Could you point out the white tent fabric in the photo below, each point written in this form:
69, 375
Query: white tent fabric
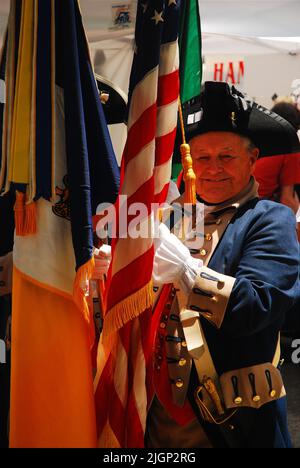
233, 44
252, 18
111, 56
248, 18
263, 34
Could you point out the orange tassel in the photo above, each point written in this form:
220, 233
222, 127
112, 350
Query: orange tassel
188, 174
187, 164
30, 219
25, 215
19, 209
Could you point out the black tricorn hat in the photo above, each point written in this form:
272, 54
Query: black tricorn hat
221, 107
115, 105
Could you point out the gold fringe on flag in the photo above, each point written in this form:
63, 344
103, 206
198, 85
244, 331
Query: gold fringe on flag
187, 164
80, 292
127, 310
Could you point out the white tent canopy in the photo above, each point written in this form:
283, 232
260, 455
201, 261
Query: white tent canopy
262, 34
251, 18
247, 18
265, 34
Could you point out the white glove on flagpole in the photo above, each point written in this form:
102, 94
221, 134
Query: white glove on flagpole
102, 259
173, 262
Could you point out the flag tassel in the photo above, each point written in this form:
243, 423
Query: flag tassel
188, 174
19, 209
187, 164
30, 219
25, 215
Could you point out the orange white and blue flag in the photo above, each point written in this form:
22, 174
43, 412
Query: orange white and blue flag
56, 155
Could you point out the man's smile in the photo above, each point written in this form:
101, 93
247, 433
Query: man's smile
216, 180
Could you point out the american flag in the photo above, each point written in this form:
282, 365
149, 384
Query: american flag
120, 384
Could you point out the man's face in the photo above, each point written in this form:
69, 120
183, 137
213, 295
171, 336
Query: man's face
222, 163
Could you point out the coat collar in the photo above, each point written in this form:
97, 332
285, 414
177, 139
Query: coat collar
247, 194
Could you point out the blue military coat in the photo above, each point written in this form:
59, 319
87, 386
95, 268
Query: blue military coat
259, 249
249, 281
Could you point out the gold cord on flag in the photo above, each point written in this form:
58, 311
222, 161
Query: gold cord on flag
187, 164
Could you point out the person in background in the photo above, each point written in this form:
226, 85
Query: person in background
278, 174
290, 112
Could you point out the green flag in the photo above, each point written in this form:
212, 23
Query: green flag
190, 65
190, 50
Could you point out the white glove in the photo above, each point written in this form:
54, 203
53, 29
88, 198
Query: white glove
173, 262
6, 264
102, 259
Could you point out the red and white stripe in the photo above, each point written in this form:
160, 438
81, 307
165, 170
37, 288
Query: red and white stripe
120, 384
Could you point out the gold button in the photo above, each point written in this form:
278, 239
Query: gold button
208, 237
179, 383
256, 398
272, 393
183, 343
203, 252
162, 325
238, 400
231, 427
182, 362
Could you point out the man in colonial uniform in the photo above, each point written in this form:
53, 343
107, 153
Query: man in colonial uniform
216, 366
